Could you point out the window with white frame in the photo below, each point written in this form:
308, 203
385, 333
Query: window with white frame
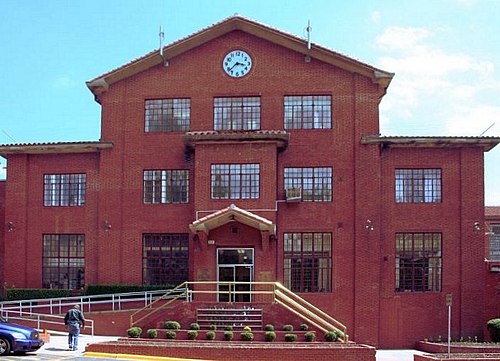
166, 186
495, 242
237, 113
235, 181
61, 190
308, 261
418, 262
418, 185
167, 115
315, 183
63, 261
308, 112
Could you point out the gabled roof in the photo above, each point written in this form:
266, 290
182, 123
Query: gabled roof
237, 22
232, 214
57, 147
487, 143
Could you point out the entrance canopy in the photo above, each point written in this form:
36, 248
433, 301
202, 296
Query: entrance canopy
231, 214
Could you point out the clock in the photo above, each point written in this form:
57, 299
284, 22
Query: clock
237, 63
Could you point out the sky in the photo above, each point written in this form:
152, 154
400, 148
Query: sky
445, 55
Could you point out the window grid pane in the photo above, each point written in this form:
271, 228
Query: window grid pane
418, 262
64, 190
166, 186
63, 261
316, 183
167, 115
308, 261
418, 185
308, 112
237, 113
165, 258
495, 242
235, 181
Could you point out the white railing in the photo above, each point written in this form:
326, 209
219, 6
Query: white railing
106, 302
42, 321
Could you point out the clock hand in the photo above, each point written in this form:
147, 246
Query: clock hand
235, 64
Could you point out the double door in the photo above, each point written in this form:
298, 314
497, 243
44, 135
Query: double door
235, 267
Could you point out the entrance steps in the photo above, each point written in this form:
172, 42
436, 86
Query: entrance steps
236, 317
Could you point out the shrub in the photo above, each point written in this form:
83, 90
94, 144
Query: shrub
246, 336
172, 325
194, 326
228, 335
120, 288
192, 335
228, 328
152, 333
290, 337
288, 328
268, 327
247, 329
13, 294
270, 336
332, 336
210, 335
213, 327
493, 326
171, 335
134, 332
310, 336
304, 327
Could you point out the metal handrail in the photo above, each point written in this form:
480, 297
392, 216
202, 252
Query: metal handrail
59, 305
41, 321
280, 294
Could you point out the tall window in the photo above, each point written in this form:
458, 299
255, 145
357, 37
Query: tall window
167, 115
418, 185
64, 190
165, 258
63, 261
308, 112
315, 183
308, 261
166, 186
418, 262
235, 181
238, 113
495, 242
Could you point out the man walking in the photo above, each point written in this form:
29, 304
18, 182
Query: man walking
74, 319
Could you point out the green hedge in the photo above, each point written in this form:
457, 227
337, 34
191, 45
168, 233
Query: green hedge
107, 289
14, 294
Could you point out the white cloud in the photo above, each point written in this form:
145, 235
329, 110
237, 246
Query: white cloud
473, 120
65, 81
376, 17
452, 92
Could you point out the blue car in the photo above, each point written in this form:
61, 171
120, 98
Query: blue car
17, 338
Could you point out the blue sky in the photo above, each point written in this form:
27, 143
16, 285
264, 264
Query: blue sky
445, 53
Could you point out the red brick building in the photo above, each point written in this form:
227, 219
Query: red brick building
244, 153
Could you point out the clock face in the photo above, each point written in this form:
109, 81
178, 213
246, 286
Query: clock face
237, 63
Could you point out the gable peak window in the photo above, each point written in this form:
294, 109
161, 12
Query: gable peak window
237, 113
308, 112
